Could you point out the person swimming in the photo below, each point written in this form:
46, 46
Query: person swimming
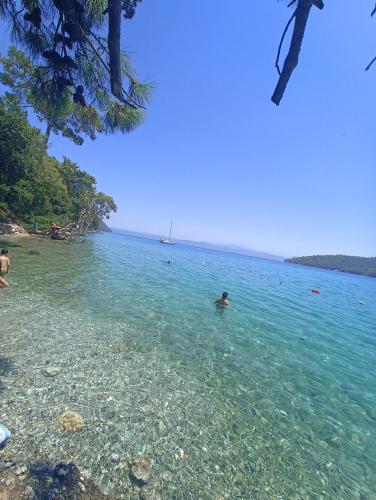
222, 301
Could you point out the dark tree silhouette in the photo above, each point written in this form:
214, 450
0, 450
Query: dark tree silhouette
67, 36
72, 60
300, 18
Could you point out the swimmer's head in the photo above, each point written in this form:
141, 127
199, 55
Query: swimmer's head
4, 251
224, 295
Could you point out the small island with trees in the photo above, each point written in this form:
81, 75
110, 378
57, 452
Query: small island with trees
345, 263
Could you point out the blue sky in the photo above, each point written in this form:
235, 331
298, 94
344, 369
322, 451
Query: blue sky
224, 162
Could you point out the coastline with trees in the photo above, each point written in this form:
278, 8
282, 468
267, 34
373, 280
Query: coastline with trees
35, 188
345, 263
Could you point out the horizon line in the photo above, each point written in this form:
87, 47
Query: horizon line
226, 247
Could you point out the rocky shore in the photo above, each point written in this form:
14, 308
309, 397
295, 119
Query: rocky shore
10, 229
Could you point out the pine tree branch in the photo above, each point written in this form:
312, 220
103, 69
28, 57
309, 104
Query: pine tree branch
131, 102
371, 63
281, 42
374, 59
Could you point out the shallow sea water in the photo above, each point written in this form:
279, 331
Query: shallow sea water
273, 397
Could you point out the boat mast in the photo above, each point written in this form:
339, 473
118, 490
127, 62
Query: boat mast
169, 238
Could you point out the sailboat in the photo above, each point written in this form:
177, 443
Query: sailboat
168, 242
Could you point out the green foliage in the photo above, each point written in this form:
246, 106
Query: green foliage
35, 187
122, 118
68, 65
4, 210
30, 84
44, 221
103, 206
344, 263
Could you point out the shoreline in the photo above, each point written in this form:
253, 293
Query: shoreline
17, 235
320, 268
12, 230
5, 236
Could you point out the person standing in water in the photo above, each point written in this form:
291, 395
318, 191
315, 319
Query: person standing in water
4, 267
222, 301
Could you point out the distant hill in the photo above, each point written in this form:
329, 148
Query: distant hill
203, 244
344, 263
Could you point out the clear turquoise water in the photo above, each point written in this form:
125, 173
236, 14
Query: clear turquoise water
273, 397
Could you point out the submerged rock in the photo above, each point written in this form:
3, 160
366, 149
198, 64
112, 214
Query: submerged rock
148, 493
21, 471
60, 482
51, 371
71, 421
6, 465
29, 493
140, 470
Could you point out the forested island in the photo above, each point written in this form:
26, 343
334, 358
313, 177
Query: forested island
344, 263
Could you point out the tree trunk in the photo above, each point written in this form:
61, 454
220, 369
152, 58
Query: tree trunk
292, 58
48, 132
114, 27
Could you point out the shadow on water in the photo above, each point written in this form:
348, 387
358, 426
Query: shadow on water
221, 310
10, 244
6, 366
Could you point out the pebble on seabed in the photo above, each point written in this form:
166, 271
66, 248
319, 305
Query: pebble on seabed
21, 471
82, 487
114, 458
71, 421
